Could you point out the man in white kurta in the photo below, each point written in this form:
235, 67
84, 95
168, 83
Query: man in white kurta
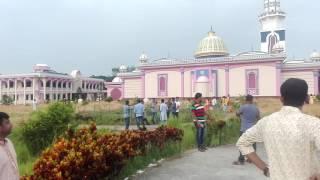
163, 112
8, 158
291, 138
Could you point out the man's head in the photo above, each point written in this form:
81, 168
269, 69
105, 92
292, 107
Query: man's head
173, 99
5, 125
198, 96
127, 102
162, 100
138, 101
249, 98
294, 92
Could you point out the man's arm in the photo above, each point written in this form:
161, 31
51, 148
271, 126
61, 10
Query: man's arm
239, 112
245, 145
258, 115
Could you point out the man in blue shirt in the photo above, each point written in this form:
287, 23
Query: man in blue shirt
249, 115
139, 112
126, 114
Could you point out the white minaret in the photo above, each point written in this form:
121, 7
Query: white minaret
273, 31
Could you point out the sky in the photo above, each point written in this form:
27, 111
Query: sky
96, 35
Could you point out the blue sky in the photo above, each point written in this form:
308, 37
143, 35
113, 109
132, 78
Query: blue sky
96, 35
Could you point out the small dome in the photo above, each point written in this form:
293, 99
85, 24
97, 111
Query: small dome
315, 56
203, 79
123, 68
75, 73
211, 46
117, 80
143, 58
278, 48
41, 68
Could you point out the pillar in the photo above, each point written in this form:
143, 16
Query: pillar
182, 82
44, 90
278, 80
51, 90
24, 91
8, 86
193, 83
227, 80
316, 82
210, 82
143, 85
15, 91
33, 88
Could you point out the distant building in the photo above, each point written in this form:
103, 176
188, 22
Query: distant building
44, 84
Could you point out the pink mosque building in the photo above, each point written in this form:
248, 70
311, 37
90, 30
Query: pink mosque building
45, 84
215, 73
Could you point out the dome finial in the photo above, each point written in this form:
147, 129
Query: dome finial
211, 32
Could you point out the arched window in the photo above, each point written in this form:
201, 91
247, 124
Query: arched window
272, 41
163, 85
252, 81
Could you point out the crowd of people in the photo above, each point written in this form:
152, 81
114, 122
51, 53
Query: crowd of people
160, 112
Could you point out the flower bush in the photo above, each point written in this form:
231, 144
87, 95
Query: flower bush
86, 154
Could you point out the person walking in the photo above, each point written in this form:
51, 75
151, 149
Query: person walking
291, 138
8, 158
169, 105
198, 112
214, 102
126, 114
139, 114
249, 115
178, 105
154, 111
174, 108
163, 112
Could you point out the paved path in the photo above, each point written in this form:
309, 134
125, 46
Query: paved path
215, 164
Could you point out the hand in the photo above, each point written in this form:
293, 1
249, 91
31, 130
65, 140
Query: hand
266, 172
315, 177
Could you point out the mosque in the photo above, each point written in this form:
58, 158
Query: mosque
215, 73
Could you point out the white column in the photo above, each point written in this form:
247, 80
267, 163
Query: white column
51, 90
71, 90
15, 91
44, 90
8, 87
24, 91
33, 88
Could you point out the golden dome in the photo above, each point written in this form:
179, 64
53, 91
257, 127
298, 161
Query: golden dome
211, 46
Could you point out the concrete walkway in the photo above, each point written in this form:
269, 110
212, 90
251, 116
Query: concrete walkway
215, 164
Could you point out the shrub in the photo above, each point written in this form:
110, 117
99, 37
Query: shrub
86, 154
109, 99
6, 100
44, 126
